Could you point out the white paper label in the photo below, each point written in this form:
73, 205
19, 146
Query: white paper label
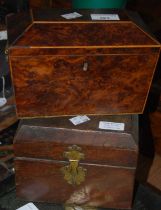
29, 206
111, 126
72, 15
79, 119
3, 35
3, 101
105, 17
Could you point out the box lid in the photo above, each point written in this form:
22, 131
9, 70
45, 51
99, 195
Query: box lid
50, 138
48, 29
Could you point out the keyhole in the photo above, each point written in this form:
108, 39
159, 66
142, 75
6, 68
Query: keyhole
85, 66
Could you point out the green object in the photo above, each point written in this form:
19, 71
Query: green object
98, 4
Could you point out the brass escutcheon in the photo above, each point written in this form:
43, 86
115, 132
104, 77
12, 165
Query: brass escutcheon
73, 173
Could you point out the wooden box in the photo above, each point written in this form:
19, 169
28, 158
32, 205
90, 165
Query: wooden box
58, 162
79, 66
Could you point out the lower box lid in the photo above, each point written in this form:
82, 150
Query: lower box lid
62, 143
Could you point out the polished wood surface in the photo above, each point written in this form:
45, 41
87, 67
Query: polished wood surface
110, 161
86, 34
47, 66
57, 85
105, 186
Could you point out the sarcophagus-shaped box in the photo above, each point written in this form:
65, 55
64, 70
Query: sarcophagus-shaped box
80, 66
81, 165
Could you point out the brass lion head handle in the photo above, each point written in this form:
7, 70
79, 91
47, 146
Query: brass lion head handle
73, 173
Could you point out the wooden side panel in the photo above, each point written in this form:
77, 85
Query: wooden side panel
105, 186
58, 85
17, 24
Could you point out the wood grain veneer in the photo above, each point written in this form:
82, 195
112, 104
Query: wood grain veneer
47, 60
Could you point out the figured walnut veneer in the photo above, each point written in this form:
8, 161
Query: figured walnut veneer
83, 35
57, 85
47, 61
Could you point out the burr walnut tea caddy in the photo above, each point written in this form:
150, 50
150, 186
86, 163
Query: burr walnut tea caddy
80, 66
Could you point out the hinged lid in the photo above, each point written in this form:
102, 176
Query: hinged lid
50, 138
48, 29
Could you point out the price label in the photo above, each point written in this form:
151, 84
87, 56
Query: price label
3, 35
111, 126
29, 206
79, 119
105, 17
72, 15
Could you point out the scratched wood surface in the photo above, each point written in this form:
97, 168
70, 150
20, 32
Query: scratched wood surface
104, 186
110, 161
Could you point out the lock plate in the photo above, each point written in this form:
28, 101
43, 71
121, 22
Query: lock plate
73, 173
